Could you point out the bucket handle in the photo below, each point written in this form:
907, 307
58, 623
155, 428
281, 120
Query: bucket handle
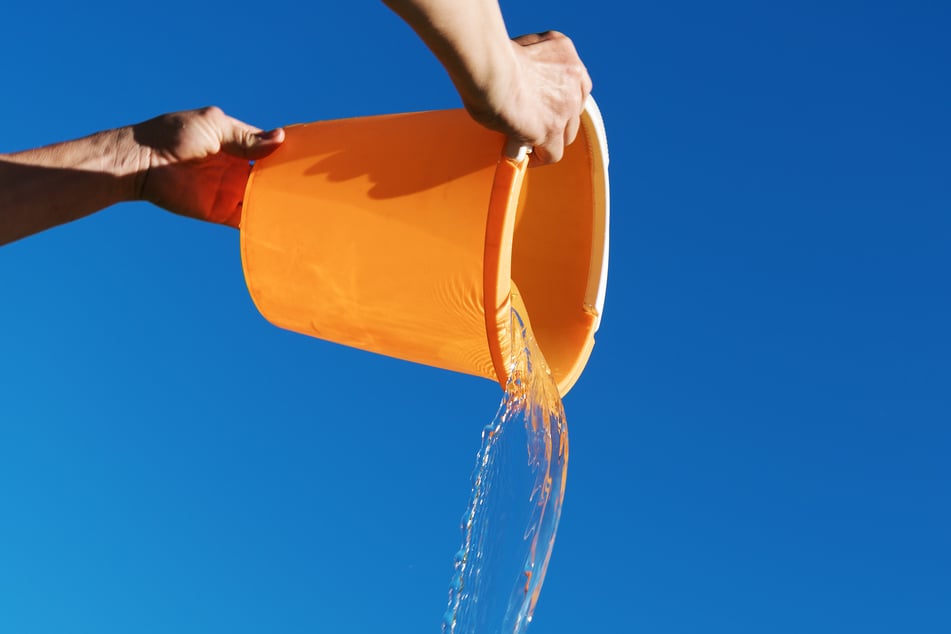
516, 151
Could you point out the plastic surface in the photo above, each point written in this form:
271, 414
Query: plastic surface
400, 234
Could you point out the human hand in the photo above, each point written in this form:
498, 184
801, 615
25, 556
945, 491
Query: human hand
540, 103
196, 163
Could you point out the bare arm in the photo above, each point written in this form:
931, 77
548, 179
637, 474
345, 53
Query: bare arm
531, 88
193, 163
50, 186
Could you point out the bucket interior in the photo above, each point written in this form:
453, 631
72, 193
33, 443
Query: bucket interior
559, 252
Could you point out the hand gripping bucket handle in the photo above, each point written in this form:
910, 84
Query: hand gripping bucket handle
410, 235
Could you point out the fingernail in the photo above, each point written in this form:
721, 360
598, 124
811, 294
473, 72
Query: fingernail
267, 135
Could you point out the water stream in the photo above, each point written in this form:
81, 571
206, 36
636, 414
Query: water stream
518, 486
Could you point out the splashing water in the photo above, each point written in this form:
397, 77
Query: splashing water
509, 527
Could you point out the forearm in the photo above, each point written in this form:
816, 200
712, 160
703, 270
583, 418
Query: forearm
53, 185
470, 39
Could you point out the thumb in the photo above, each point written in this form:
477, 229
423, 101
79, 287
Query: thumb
249, 143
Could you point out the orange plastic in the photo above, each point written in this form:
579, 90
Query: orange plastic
401, 234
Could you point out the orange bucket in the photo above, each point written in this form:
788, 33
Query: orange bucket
408, 234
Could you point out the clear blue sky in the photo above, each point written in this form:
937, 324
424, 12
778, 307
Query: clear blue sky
759, 444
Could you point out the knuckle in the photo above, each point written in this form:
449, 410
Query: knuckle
211, 112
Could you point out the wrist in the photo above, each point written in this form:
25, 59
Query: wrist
129, 164
487, 82
487, 70
471, 41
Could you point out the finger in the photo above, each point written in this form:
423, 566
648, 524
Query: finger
234, 218
586, 86
225, 208
537, 158
251, 145
267, 142
248, 142
549, 152
529, 38
571, 130
534, 38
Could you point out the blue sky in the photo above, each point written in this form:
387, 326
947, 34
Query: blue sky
759, 443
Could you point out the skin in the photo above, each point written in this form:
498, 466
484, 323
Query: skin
196, 163
193, 163
531, 88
